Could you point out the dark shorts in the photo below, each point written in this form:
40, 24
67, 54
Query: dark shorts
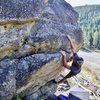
75, 69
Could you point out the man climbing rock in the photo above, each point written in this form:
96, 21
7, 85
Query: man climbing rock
75, 67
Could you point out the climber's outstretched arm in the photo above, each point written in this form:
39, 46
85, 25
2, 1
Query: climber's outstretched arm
71, 44
64, 60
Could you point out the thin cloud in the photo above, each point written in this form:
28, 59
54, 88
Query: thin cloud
82, 2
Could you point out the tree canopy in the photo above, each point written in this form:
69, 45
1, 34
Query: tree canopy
89, 17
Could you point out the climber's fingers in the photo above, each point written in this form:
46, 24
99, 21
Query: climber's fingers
63, 53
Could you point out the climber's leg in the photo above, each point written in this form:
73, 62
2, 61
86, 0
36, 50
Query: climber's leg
69, 75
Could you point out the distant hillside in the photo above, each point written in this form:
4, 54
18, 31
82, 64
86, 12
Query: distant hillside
90, 22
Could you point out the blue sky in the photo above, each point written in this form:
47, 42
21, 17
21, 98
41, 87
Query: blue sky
82, 2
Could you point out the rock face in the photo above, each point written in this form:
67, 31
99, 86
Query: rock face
31, 34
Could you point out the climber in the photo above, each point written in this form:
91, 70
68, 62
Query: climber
75, 67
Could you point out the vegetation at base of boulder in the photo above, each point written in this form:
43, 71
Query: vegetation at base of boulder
89, 17
17, 98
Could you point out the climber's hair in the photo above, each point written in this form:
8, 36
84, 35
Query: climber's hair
80, 61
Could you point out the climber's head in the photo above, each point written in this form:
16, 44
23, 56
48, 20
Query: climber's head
80, 61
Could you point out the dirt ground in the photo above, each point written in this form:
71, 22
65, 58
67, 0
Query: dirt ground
92, 61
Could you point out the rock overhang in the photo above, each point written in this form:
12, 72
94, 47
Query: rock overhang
31, 39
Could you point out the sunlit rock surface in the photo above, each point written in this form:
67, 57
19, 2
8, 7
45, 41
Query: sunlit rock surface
32, 32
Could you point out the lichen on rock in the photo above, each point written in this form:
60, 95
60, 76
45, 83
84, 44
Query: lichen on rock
32, 32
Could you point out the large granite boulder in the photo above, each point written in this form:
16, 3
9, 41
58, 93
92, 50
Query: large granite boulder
32, 32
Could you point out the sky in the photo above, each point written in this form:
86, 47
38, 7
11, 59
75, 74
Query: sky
82, 2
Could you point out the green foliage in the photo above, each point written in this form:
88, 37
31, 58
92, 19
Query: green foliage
89, 17
17, 98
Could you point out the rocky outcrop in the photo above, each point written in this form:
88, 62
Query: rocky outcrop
31, 34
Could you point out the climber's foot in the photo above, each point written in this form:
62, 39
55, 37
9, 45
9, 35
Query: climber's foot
54, 81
